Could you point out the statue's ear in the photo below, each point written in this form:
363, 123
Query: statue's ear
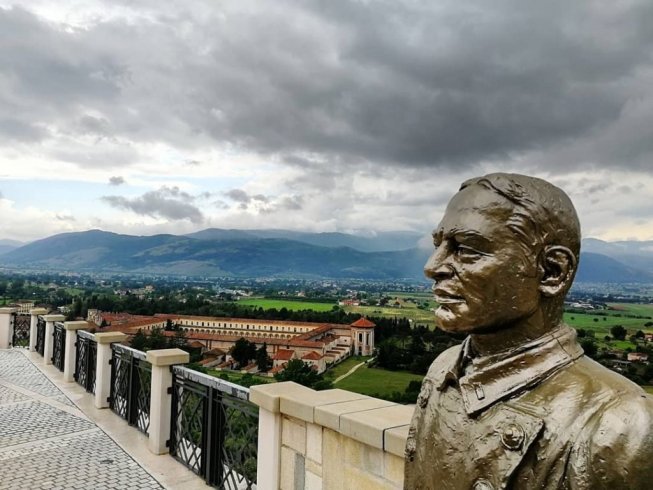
559, 264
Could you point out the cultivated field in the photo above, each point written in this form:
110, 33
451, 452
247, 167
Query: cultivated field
289, 304
601, 324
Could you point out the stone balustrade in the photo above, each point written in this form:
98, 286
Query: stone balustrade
328, 440
313, 440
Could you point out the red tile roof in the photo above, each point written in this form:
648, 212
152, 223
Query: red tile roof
312, 356
284, 355
363, 322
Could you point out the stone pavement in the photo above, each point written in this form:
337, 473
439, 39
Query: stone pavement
47, 442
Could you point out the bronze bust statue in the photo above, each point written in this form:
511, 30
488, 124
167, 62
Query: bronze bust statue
518, 405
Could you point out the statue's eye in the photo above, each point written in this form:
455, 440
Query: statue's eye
467, 252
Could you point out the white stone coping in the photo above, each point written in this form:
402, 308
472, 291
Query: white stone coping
54, 318
213, 382
76, 325
38, 311
166, 357
86, 335
8, 310
110, 337
138, 354
377, 423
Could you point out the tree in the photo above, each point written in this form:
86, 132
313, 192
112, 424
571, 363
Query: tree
157, 340
589, 347
618, 332
139, 341
179, 340
243, 350
299, 372
263, 361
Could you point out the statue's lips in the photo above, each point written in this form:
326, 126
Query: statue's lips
446, 298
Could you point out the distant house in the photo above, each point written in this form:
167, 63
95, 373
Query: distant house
637, 357
282, 356
316, 361
349, 302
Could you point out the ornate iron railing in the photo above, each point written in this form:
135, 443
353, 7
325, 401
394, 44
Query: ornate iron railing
20, 336
131, 377
86, 348
58, 346
214, 429
40, 335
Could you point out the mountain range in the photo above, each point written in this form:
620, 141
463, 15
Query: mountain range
283, 253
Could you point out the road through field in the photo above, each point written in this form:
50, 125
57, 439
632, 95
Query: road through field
339, 378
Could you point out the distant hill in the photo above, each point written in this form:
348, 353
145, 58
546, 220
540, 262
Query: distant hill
241, 253
634, 254
169, 254
9, 245
381, 242
603, 269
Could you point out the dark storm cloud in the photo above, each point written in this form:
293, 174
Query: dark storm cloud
397, 83
117, 180
170, 203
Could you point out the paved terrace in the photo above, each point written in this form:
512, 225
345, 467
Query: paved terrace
52, 437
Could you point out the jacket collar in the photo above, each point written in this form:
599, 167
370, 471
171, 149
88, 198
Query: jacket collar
492, 378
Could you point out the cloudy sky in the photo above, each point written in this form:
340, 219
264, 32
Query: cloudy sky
145, 116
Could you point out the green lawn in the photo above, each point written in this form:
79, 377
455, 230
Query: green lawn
344, 366
374, 381
648, 389
601, 324
288, 304
235, 376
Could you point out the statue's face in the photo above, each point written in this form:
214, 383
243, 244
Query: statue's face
484, 278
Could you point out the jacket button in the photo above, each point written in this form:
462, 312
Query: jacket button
513, 436
482, 485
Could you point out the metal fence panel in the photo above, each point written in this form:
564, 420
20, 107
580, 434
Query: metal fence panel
214, 429
58, 346
40, 335
131, 383
21, 333
86, 361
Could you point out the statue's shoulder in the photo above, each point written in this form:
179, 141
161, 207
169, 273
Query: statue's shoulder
619, 437
443, 363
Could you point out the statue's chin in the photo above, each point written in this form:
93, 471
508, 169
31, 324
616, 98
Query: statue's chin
448, 319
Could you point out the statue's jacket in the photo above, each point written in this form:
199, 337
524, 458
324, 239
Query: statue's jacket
543, 416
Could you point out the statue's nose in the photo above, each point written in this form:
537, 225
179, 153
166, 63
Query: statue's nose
438, 266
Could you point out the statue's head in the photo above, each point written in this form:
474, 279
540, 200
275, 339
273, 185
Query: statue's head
506, 249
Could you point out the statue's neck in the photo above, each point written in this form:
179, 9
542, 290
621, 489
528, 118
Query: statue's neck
512, 336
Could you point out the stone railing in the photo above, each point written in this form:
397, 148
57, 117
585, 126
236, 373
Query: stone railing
313, 440
328, 440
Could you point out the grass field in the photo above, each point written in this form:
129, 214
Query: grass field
409, 310
648, 389
235, 376
288, 304
635, 309
373, 381
344, 366
601, 324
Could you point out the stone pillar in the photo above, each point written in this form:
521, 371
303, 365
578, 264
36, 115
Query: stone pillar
6, 327
161, 400
267, 397
34, 312
103, 366
49, 341
70, 357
